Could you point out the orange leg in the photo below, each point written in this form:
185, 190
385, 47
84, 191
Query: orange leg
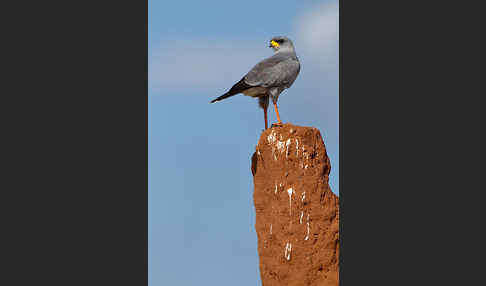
279, 123
265, 114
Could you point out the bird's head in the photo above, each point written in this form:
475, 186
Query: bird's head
281, 44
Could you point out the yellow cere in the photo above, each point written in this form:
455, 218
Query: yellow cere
274, 44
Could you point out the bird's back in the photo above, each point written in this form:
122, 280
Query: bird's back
280, 69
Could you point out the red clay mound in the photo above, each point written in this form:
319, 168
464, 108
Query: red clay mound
297, 215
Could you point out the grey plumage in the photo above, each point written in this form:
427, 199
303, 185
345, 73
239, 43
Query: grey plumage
279, 70
269, 77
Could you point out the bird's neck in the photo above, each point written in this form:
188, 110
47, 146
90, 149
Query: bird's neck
285, 50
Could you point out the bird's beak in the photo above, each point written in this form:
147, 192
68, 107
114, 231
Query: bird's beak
274, 44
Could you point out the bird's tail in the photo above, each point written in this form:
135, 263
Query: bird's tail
226, 95
237, 88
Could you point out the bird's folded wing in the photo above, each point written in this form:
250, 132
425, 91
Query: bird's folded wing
278, 70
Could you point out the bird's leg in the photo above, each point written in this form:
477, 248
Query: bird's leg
279, 123
263, 102
265, 114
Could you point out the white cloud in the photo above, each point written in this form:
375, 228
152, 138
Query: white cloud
317, 40
317, 32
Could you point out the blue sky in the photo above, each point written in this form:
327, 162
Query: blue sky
201, 213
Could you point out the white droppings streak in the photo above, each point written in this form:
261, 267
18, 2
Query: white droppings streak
290, 191
297, 147
276, 188
271, 138
271, 229
288, 250
280, 146
308, 228
303, 196
301, 215
287, 144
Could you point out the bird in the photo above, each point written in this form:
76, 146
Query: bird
268, 78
